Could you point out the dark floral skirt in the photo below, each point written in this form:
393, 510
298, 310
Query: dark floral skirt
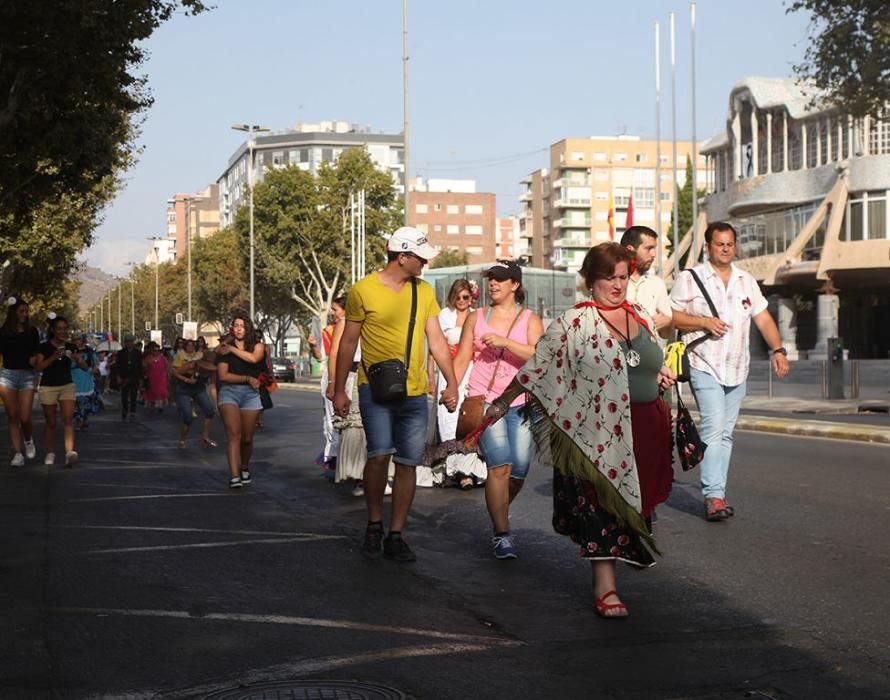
86, 405
576, 510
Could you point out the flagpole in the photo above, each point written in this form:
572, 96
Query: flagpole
674, 193
694, 147
658, 149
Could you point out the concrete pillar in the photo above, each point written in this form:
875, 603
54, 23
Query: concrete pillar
818, 142
755, 154
827, 312
737, 139
803, 145
786, 319
769, 142
827, 139
785, 165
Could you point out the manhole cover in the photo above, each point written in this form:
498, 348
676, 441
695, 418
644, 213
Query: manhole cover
310, 690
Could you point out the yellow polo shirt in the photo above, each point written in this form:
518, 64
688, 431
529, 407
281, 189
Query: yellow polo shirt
384, 315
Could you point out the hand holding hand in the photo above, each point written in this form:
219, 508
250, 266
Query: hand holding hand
449, 398
661, 320
341, 403
223, 349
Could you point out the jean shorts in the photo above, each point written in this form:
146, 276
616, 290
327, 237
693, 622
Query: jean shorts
17, 379
243, 396
394, 429
509, 441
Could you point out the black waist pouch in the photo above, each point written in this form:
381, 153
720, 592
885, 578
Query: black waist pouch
388, 381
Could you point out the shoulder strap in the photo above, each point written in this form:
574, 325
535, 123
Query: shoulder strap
704, 291
411, 322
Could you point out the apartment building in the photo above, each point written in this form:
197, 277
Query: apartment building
566, 207
194, 215
454, 216
508, 245
306, 146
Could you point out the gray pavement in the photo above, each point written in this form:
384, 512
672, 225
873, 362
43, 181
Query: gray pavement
139, 575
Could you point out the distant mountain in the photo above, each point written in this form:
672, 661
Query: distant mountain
93, 284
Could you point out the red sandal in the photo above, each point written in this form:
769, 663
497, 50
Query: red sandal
603, 608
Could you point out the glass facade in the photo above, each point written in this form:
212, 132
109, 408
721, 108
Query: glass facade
772, 232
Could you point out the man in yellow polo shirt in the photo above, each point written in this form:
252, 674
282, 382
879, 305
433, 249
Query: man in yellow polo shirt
378, 311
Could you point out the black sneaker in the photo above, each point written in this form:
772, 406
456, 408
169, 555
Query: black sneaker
373, 542
245, 477
396, 548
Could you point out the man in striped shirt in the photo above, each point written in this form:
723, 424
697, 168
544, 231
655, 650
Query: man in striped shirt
720, 364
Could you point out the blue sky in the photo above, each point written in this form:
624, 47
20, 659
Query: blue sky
490, 80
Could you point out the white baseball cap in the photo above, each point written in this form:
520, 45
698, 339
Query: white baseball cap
409, 240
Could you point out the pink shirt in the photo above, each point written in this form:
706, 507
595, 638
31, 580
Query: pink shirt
485, 358
726, 358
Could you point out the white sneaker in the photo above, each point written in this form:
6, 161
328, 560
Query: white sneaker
71, 458
358, 490
18, 460
388, 490
30, 449
50, 459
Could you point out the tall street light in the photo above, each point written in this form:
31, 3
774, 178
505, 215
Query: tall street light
251, 129
188, 199
132, 267
157, 256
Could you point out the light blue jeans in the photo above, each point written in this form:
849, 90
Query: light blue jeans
719, 407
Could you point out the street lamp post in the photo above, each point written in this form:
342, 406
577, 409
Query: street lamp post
251, 129
132, 267
157, 257
120, 330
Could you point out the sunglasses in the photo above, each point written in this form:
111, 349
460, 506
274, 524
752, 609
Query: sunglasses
423, 261
465, 297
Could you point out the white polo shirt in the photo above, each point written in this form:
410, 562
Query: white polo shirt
649, 292
727, 359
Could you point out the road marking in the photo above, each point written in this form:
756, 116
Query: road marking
144, 496
127, 486
290, 620
197, 529
212, 545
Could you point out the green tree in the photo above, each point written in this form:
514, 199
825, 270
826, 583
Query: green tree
450, 258
218, 286
848, 58
70, 100
684, 207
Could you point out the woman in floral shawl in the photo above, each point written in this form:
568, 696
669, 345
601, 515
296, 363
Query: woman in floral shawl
595, 382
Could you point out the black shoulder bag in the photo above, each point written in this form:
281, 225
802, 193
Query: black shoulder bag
676, 354
389, 379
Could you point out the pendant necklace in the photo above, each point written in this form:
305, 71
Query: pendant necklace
632, 357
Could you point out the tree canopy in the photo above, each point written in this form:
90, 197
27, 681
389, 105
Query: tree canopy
848, 57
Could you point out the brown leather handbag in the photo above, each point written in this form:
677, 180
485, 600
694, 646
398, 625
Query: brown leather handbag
472, 408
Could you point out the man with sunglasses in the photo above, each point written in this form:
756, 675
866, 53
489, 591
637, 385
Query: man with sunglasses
378, 312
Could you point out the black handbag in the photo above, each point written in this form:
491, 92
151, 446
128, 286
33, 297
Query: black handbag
388, 379
676, 354
690, 447
265, 398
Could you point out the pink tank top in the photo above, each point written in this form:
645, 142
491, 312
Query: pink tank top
485, 359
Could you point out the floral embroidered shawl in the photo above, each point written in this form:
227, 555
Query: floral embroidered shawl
577, 379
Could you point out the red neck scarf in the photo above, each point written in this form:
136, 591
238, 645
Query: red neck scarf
627, 306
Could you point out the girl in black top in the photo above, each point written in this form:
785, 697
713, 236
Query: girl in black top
240, 363
54, 359
18, 344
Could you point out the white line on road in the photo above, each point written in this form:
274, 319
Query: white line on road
91, 485
289, 620
211, 545
264, 533
144, 496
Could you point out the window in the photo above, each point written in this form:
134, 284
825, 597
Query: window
644, 197
304, 155
452, 229
437, 207
577, 156
327, 154
641, 158
474, 250
278, 158
473, 230
420, 208
293, 157
473, 209
665, 196
453, 209
437, 228
619, 157
812, 144
171, 217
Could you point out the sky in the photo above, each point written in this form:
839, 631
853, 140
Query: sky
493, 83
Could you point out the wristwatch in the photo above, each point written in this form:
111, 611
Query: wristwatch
780, 350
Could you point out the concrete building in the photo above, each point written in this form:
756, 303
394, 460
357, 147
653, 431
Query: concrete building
566, 206
508, 244
162, 250
454, 216
307, 146
807, 189
195, 215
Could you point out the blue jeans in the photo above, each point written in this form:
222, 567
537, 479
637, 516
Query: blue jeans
509, 441
397, 429
185, 394
719, 407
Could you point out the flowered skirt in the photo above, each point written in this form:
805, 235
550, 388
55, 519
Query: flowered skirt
87, 404
576, 511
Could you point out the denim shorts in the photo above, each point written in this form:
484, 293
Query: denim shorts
509, 441
243, 396
17, 379
394, 429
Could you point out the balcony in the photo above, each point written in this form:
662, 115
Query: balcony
571, 242
526, 197
574, 203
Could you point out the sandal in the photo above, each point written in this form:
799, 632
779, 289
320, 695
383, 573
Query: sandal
466, 483
603, 608
209, 442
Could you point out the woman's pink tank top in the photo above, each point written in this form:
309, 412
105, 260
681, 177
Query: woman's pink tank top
485, 359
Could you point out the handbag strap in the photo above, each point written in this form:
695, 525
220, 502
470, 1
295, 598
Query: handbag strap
704, 291
411, 322
494, 372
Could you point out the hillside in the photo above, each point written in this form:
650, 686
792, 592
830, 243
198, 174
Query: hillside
93, 284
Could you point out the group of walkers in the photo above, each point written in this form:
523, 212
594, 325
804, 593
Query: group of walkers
588, 392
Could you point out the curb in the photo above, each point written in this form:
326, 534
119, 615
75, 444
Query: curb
820, 429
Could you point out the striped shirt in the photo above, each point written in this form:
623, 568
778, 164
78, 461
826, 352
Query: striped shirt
737, 302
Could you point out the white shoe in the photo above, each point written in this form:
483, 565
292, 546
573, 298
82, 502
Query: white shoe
30, 449
71, 458
388, 490
358, 490
18, 460
50, 459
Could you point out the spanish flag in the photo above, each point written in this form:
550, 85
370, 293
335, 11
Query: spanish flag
611, 218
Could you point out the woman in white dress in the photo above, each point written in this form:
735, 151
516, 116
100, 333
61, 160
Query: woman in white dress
466, 470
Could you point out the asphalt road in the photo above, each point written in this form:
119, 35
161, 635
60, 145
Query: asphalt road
138, 574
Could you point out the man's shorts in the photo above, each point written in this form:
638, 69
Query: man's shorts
243, 396
51, 395
17, 379
394, 429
